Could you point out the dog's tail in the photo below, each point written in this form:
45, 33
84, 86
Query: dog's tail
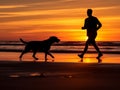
23, 41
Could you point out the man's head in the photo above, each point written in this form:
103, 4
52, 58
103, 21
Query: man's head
89, 12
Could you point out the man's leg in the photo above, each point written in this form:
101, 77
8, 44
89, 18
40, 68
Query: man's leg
97, 49
85, 49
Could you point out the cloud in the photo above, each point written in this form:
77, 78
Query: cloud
8, 6
37, 28
56, 14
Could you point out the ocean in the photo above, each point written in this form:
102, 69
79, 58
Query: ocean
64, 51
65, 46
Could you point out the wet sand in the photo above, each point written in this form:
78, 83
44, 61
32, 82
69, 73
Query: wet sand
61, 57
29, 75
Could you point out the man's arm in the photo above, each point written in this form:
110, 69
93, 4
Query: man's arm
99, 25
84, 27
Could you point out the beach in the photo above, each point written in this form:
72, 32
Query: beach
66, 72
29, 75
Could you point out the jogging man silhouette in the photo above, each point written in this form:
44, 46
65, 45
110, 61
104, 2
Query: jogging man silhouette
92, 24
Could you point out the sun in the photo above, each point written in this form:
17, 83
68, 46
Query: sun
86, 37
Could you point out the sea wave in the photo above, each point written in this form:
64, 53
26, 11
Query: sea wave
65, 46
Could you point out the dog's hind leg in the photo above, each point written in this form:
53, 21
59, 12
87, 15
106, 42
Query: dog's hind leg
22, 55
23, 52
34, 53
46, 56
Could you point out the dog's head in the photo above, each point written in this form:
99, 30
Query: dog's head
54, 39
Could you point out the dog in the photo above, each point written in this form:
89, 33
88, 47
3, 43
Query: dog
42, 46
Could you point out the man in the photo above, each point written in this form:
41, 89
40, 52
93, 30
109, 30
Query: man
92, 24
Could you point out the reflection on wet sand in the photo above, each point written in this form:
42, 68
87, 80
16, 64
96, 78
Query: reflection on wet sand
62, 57
88, 60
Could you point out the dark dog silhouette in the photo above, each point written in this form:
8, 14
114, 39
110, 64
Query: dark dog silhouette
35, 46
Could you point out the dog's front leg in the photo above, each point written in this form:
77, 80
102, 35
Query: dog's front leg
50, 54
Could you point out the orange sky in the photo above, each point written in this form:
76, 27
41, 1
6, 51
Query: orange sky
39, 19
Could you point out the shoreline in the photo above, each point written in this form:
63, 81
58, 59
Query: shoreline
65, 51
61, 57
